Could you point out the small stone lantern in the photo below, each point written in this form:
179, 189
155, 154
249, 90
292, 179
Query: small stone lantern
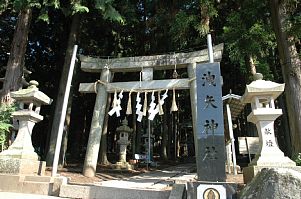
261, 94
20, 157
123, 141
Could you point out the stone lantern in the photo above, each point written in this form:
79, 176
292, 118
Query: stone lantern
20, 157
123, 141
261, 95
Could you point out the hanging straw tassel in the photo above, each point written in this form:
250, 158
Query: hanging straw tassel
114, 104
145, 104
161, 112
129, 105
174, 106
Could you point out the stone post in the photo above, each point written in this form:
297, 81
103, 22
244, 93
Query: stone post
20, 157
261, 94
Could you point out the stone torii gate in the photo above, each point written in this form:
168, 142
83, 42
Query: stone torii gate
146, 65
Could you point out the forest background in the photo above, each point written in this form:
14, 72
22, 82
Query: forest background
38, 36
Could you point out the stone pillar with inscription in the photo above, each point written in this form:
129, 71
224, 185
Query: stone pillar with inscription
210, 124
261, 94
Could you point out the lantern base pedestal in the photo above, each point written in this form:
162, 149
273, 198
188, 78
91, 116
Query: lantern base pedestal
19, 153
250, 172
274, 158
22, 166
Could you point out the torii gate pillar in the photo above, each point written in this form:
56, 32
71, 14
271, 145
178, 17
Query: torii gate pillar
99, 112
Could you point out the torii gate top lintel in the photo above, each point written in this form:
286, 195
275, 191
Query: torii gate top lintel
135, 64
158, 62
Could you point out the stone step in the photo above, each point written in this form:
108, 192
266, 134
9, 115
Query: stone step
44, 185
13, 184
103, 192
42, 188
38, 179
10, 195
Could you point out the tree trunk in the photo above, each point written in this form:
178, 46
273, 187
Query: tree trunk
15, 64
290, 63
73, 38
205, 19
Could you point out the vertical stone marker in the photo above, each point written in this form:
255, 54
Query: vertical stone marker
20, 157
210, 124
261, 94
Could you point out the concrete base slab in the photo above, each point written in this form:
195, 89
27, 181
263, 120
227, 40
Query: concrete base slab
103, 192
9, 195
22, 166
250, 172
44, 185
178, 192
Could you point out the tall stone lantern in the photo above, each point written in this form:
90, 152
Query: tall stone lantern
20, 157
261, 95
123, 141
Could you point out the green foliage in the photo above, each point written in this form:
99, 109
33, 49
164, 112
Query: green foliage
296, 25
108, 11
181, 26
3, 5
293, 21
5, 121
44, 16
211, 10
21, 4
208, 12
53, 3
248, 33
78, 8
17, 5
297, 158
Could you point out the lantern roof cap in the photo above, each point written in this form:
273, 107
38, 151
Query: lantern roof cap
261, 87
124, 127
31, 95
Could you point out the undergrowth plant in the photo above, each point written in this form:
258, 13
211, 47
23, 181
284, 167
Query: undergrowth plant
297, 159
5, 122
